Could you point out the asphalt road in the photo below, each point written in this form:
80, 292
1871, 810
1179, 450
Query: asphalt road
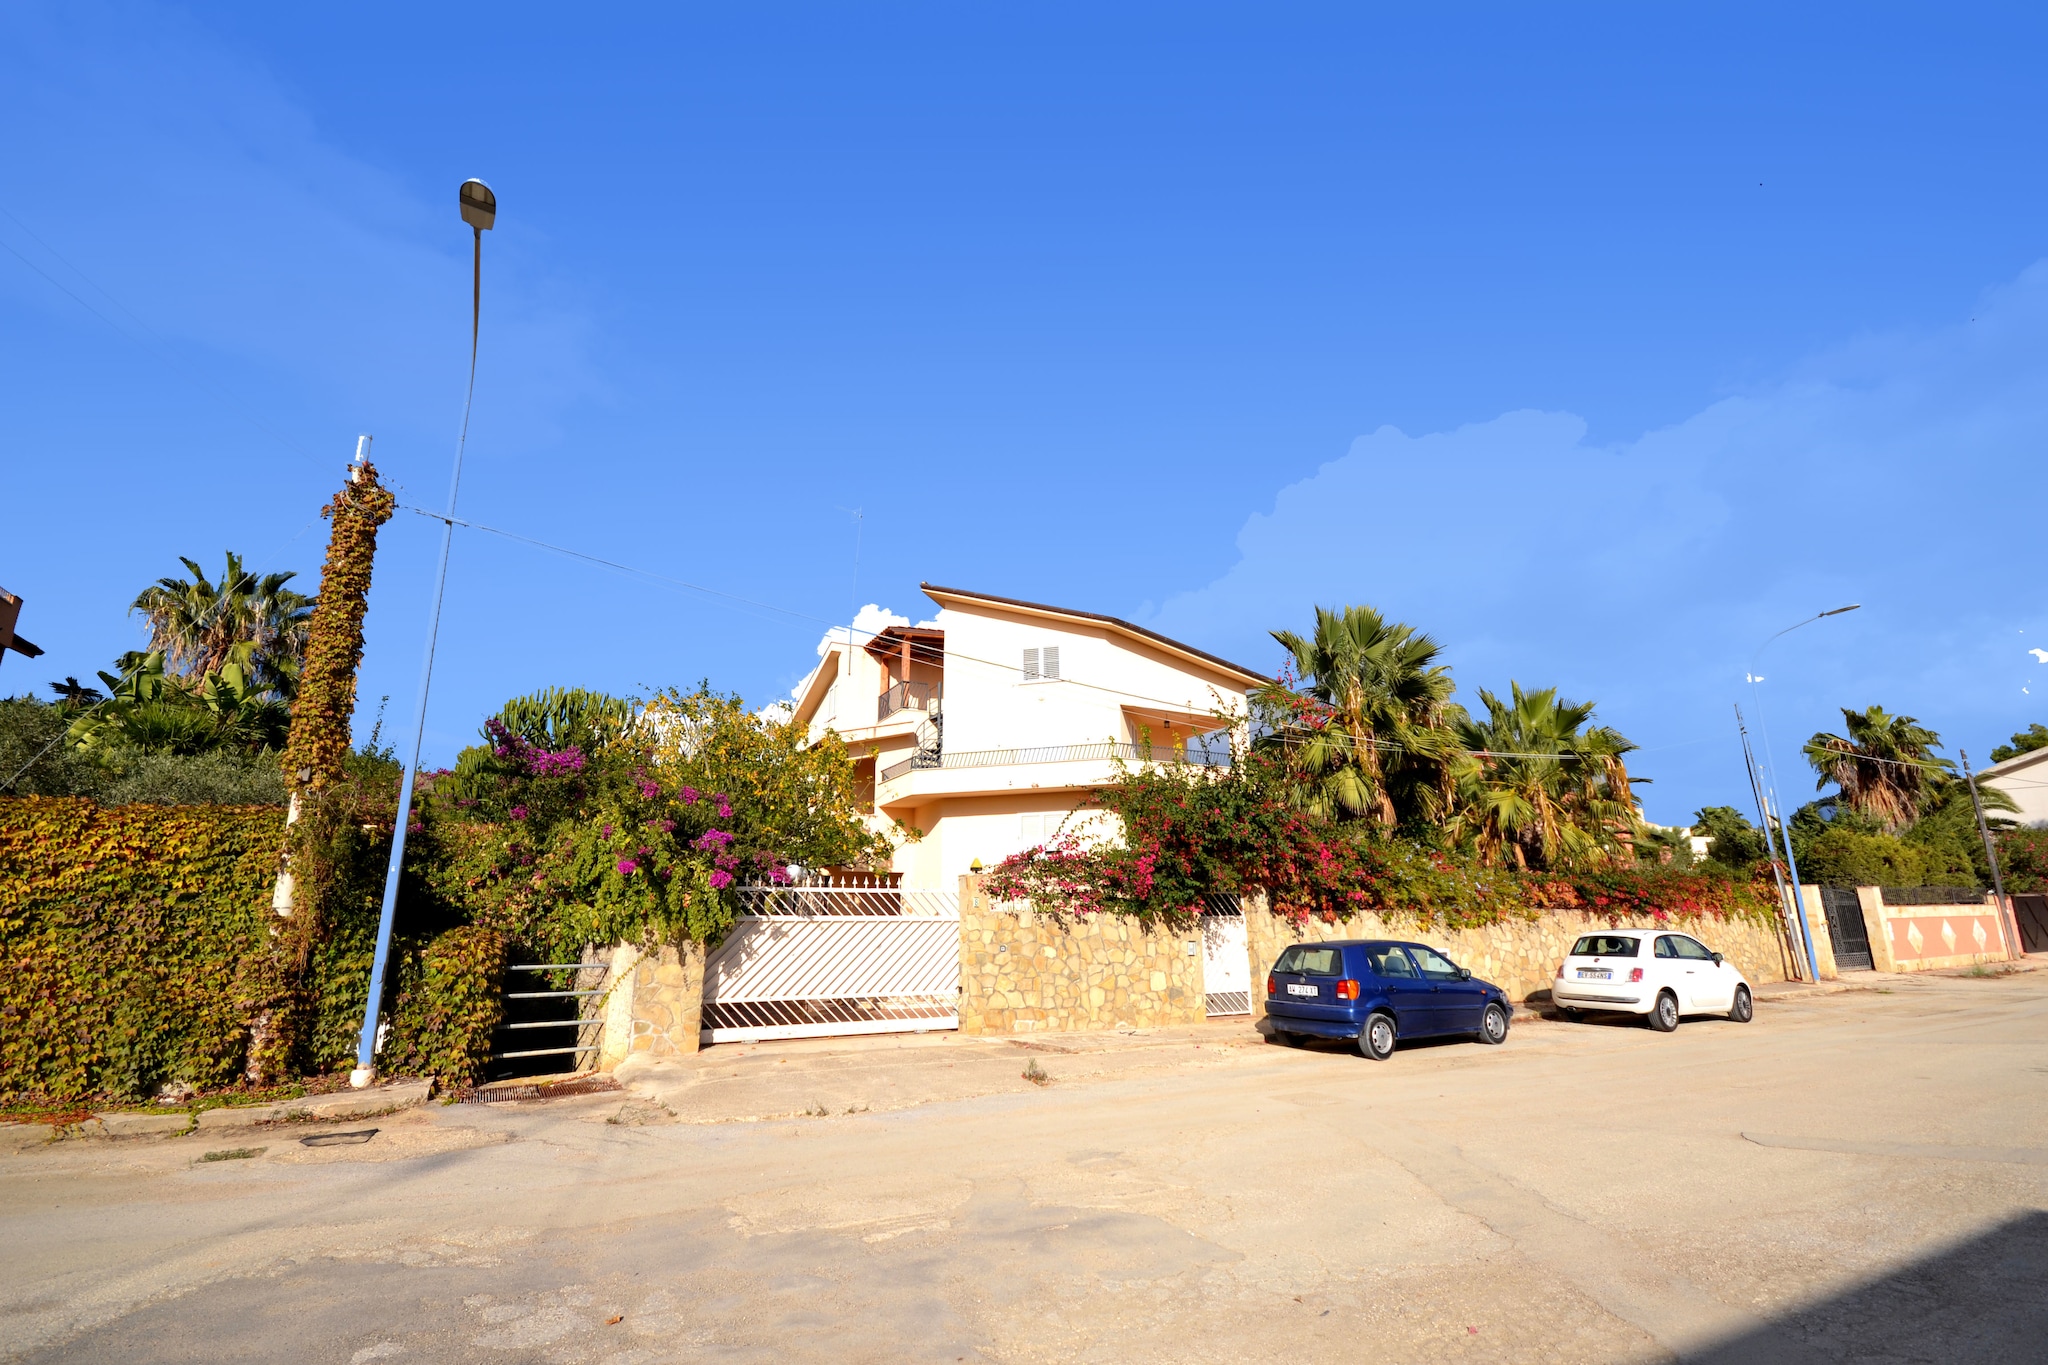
1857, 1176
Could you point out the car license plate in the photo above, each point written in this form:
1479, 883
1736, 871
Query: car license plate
1596, 973
1293, 989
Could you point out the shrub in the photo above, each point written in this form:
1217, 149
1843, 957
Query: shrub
1847, 857
450, 1000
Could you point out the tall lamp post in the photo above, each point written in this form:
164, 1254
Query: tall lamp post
1771, 781
479, 210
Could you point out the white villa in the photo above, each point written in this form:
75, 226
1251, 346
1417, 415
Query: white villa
987, 726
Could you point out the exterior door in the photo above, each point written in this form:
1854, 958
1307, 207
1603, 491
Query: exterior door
1458, 1001
2031, 911
1413, 1001
1846, 933
1675, 971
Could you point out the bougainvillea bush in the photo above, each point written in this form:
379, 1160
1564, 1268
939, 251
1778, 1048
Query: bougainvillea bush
1181, 833
645, 832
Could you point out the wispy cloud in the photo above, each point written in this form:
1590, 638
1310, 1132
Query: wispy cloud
1896, 470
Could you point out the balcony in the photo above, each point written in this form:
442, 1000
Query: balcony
1056, 753
908, 696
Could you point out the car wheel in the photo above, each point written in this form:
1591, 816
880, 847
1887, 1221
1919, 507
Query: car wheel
1493, 1027
1376, 1040
1744, 1008
1663, 1016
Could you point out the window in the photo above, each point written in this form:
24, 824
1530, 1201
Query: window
1605, 945
1038, 827
1390, 961
1042, 664
1667, 946
1435, 966
1690, 948
1303, 960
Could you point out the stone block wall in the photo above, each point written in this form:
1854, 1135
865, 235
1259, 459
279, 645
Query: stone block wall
655, 1004
1519, 956
1022, 971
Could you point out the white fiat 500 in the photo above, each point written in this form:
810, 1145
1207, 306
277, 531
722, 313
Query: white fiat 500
1660, 974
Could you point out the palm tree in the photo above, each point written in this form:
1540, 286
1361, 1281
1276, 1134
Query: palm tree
1377, 741
1886, 766
196, 625
1539, 788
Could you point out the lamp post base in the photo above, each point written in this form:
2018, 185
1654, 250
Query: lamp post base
362, 1077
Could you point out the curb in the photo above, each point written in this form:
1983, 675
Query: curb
360, 1104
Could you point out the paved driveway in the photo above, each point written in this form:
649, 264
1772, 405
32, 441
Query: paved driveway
1856, 1176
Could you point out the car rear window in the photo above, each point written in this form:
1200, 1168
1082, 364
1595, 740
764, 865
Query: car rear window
1605, 945
1306, 961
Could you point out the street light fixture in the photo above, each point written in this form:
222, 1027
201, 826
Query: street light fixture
480, 210
1771, 782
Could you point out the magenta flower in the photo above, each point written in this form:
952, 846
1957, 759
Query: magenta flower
720, 880
667, 826
689, 795
648, 789
713, 839
607, 831
627, 867
519, 812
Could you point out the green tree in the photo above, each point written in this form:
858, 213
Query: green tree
197, 625
1733, 842
1885, 766
1540, 785
1372, 738
152, 710
2034, 737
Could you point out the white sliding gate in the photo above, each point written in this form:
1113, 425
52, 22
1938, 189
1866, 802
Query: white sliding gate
809, 962
1226, 966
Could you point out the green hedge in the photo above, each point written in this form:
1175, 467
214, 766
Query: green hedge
133, 941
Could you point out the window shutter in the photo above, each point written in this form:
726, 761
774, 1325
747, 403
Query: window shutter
1030, 664
1051, 658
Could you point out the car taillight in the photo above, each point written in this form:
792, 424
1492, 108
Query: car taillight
1560, 971
1271, 989
1347, 990
1635, 973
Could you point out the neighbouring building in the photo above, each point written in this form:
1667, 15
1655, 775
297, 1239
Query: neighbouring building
986, 727
2023, 777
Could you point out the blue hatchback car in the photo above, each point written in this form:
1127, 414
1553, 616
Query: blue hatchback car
1376, 991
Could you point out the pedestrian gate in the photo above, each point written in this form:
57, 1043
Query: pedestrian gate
1226, 970
1846, 932
815, 962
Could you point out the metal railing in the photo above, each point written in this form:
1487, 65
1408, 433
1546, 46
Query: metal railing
908, 696
813, 901
1061, 753
578, 1023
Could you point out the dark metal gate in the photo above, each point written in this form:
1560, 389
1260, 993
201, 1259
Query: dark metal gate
2031, 911
1845, 928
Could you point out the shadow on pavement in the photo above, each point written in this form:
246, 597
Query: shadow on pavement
1980, 1300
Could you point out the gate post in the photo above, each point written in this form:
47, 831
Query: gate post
1870, 901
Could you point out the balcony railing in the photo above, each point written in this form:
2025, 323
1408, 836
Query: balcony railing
1058, 753
907, 696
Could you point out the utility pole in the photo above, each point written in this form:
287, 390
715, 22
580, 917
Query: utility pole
1795, 922
479, 210
2008, 934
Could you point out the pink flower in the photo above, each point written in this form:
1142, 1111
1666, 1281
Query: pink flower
648, 789
627, 867
689, 795
713, 838
519, 812
720, 880
607, 831
666, 826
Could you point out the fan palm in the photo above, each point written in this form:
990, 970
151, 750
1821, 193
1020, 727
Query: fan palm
1540, 788
196, 624
1885, 766
1379, 745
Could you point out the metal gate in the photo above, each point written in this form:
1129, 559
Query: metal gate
808, 962
2030, 912
1226, 970
1846, 933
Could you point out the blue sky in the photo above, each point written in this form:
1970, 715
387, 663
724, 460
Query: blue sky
1599, 342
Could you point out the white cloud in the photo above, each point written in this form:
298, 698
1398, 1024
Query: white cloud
1645, 573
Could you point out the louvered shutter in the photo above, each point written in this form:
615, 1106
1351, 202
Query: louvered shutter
1050, 665
1030, 664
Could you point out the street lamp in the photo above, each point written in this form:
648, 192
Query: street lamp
480, 210
1771, 781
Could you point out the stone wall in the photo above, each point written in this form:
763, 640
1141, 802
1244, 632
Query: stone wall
1519, 956
654, 1005
1023, 971
1921, 938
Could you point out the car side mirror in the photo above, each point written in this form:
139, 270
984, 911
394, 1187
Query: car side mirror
1464, 973
1717, 959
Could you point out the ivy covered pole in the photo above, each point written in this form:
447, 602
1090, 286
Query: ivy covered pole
323, 713
479, 210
